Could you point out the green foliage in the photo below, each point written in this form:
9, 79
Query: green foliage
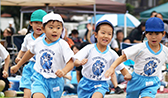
130, 8
162, 1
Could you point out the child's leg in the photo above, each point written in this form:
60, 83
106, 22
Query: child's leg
146, 97
97, 95
38, 95
2, 85
114, 80
27, 93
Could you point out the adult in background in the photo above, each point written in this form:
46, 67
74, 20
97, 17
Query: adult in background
10, 26
74, 36
159, 15
136, 34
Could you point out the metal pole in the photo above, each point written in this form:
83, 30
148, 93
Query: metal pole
21, 20
0, 19
95, 14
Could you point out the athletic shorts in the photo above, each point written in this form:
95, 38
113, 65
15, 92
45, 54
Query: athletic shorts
49, 87
86, 87
143, 86
28, 71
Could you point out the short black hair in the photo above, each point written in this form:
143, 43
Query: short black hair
74, 31
152, 13
51, 21
119, 31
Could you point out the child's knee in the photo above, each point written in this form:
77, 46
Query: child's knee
2, 85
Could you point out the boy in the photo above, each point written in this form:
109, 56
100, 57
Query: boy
95, 60
53, 59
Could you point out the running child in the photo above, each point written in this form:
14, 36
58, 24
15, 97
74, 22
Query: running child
95, 60
36, 23
53, 59
149, 58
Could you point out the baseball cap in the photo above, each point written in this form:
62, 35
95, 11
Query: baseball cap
154, 24
103, 22
52, 16
37, 15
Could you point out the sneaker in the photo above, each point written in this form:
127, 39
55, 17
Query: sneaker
118, 90
2, 95
108, 91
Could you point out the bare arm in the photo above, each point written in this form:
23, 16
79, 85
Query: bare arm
78, 63
19, 56
111, 70
69, 66
24, 59
6, 67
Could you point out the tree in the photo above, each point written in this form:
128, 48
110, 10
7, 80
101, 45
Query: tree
130, 8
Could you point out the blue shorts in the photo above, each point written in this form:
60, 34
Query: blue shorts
50, 88
28, 71
142, 85
86, 88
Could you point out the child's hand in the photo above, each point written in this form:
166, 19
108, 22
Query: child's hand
14, 69
128, 77
5, 74
109, 72
84, 61
60, 73
17, 60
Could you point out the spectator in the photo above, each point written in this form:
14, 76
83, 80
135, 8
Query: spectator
74, 36
119, 37
68, 40
153, 13
10, 26
90, 29
7, 32
159, 15
136, 34
79, 69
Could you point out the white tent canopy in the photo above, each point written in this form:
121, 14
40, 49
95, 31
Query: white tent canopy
44, 2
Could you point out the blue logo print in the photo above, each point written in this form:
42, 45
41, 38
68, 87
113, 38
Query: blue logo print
97, 68
149, 68
45, 61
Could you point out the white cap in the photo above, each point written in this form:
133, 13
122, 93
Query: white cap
23, 31
52, 16
10, 22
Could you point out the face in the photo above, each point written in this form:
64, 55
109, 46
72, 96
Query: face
120, 36
154, 38
153, 14
104, 35
36, 25
5, 33
53, 31
160, 16
75, 50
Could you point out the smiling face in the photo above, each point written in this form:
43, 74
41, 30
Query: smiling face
36, 25
104, 35
154, 38
53, 31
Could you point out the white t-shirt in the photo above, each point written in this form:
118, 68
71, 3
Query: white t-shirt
147, 62
114, 44
50, 57
98, 62
3, 52
28, 42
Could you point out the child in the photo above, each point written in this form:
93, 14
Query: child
95, 60
149, 58
4, 55
36, 23
53, 59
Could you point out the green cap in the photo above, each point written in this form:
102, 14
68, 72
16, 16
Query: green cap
37, 15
